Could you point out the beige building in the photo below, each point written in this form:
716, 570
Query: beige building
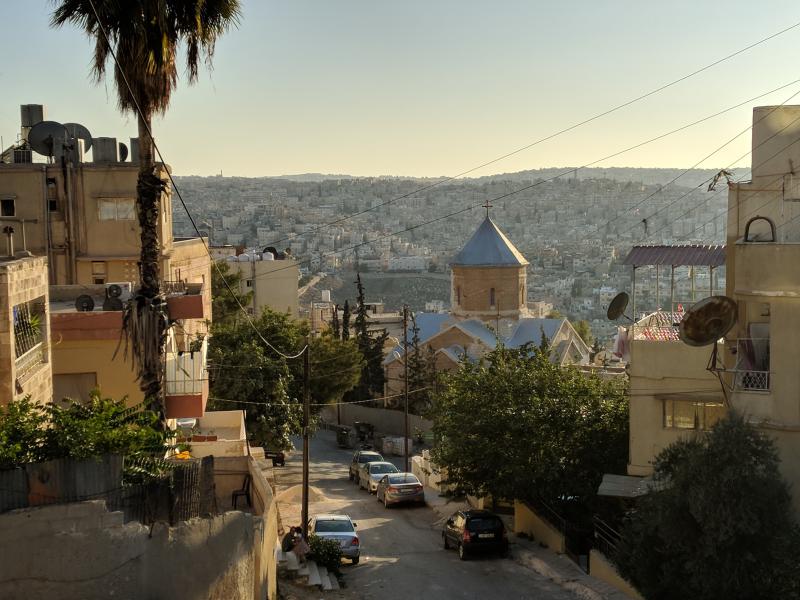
81, 216
25, 358
672, 393
272, 280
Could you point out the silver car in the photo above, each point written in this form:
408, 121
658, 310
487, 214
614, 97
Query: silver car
369, 474
341, 529
400, 487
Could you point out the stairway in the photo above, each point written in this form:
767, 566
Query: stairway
314, 575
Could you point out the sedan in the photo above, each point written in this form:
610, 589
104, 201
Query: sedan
341, 529
359, 458
400, 487
369, 474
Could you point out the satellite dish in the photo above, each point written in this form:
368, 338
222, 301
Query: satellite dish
112, 303
42, 135
123, 152
113, 290
616, 308
84, 303
707, 321
78, 131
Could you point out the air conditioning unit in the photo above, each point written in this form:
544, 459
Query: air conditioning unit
105, 150
117, 294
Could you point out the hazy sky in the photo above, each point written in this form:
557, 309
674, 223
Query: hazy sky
430, 87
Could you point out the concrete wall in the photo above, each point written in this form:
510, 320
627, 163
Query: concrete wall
527, 521
274, 284
601, 568
384, 420
81, 551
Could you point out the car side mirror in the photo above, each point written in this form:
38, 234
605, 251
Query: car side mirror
355, 525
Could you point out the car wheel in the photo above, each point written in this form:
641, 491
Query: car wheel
355, 560
462, 554
446, 543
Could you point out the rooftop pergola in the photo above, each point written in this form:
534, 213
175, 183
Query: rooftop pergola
686, 255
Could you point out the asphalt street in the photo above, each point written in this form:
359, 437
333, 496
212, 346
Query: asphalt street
402, 553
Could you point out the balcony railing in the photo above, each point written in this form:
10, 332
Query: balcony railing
186, 372
28, 362
752, 364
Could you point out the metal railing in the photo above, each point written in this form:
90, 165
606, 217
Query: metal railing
606, 538
752, 364
27, 329
186, 372
28, 362
173, 287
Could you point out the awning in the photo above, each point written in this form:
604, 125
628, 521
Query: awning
624, 486
696, 255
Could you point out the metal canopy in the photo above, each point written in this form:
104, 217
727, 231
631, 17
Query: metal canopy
695, 255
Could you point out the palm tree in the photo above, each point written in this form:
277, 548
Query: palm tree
144, 35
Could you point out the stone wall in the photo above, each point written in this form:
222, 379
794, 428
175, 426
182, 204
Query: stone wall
82, 551
384, 420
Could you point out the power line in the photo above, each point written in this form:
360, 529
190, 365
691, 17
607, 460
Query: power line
547, 137
177, 191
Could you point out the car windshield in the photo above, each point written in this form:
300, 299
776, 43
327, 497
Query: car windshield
385, 468
404, 478
365, 458
333, 526
484, 524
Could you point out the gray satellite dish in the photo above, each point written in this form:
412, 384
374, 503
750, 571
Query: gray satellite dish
76, 130
707, 321
42, 135
616, 308
123, 152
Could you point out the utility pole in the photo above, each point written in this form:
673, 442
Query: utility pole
306, 411
405, 385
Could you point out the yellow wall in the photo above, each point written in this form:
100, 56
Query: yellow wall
527, 521
274, 284
115, 377
601, 568
663, 369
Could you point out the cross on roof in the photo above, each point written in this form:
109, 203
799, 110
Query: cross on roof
487, 206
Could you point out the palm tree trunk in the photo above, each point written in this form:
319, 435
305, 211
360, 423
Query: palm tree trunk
147, 328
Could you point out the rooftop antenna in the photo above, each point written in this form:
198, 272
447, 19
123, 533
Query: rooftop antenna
79, 132
617, 306
42, 136
706, 323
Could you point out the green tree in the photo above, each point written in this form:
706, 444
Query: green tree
370, 344
554, 314
249, 376
144, 36
583, 329
718, 524
225, 302
515, 425
421, 372
336, 328
346, 320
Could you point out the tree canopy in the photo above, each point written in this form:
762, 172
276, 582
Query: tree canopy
719, 523
225, 302
248, 375
515, 425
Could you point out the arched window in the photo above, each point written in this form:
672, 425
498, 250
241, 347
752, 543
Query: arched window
491, 298
764, 230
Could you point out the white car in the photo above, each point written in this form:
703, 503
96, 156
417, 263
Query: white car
341, 529
369, 474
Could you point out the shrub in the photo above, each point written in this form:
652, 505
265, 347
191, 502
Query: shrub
326, 552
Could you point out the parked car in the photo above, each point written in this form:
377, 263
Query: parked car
369, 474
359, 458
278, 457
340, 528
396, 488
472, 531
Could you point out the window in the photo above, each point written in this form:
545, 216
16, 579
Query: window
116, 209
685, 414
458, 295
7, 208
249, 283
98, 272
52, 195
491, 298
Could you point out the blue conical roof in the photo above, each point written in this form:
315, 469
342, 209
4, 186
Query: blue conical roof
489, 247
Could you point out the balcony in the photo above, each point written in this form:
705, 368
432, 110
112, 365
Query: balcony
184, 300
186, 383
751, 373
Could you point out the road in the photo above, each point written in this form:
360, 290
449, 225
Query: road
402, 553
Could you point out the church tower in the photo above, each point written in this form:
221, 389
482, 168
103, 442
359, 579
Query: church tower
489, 277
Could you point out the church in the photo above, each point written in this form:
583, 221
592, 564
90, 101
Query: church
488, 305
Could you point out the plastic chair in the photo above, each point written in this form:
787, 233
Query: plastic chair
245, 491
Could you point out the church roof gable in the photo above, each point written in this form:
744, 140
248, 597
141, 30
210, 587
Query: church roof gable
489, 247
